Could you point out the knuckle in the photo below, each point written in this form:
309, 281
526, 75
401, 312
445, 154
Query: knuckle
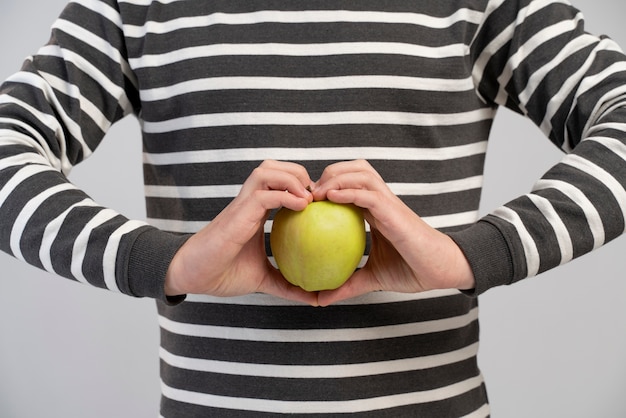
267, 163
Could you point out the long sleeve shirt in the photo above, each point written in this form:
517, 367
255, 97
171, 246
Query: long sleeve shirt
219, 86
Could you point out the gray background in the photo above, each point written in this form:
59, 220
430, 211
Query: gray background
552, 346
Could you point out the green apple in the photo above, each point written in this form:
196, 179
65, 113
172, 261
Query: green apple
319, 247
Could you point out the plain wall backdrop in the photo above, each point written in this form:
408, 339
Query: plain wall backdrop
552, 346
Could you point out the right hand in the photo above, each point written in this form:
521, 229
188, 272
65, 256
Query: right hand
227, 257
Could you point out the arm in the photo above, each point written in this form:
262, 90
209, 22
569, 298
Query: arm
53, 114
540, 62
572, 85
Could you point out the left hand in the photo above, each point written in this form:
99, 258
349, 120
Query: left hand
407, 255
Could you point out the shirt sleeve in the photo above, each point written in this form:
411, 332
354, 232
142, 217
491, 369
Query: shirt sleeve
53, 114
535, 58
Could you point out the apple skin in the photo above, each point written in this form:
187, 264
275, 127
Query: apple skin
319, 247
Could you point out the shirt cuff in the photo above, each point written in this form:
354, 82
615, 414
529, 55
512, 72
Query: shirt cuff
148, 261
488, 254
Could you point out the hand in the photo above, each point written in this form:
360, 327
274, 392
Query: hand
227, 257
407, 255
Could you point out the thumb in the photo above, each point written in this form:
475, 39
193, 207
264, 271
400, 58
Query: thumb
276, 285
360, 283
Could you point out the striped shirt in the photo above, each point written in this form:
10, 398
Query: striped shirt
219, 86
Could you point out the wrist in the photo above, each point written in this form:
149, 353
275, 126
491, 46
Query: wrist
172, 285
467, 281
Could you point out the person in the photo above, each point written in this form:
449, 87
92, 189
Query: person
386, 106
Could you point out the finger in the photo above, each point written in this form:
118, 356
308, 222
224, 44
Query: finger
343, 167
265, 178
320, 187
361, 283
246, 215
273, 199
365, 199
296, 170
358, 180
276, 285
